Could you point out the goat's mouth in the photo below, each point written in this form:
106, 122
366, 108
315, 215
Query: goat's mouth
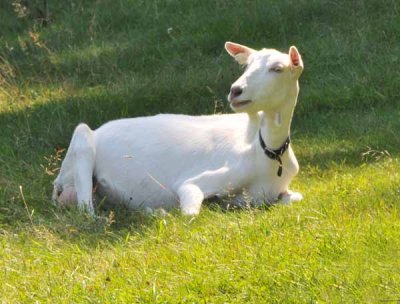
237, 104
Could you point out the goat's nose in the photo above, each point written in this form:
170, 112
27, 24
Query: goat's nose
236, 91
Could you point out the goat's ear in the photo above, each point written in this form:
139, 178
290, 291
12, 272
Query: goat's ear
295, 58
240, 52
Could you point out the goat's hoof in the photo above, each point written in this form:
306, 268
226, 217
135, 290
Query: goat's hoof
290, 197
190, 211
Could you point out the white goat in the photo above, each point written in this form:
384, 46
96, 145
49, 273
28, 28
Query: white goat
166, 160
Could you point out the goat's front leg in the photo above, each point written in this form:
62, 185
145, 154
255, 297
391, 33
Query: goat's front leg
290, 197
190, 197
192, 192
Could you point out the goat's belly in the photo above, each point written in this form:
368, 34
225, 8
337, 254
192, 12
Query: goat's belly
148, 170
137, 179
135, 190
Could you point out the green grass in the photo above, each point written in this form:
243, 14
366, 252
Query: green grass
102, 60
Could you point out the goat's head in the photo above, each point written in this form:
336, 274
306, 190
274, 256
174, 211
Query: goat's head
269, 80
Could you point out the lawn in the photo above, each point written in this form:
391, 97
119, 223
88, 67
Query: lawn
94, 61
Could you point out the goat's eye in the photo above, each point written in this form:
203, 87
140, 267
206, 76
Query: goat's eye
276, 69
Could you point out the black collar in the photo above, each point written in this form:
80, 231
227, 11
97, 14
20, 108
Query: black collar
275, 154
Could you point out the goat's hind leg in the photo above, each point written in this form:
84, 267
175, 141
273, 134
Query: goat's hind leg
76, 173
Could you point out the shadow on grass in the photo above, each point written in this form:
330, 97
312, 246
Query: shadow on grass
350, 138
116, 222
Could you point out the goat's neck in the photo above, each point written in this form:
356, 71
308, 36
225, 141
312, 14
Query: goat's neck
275, 125
252, 126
